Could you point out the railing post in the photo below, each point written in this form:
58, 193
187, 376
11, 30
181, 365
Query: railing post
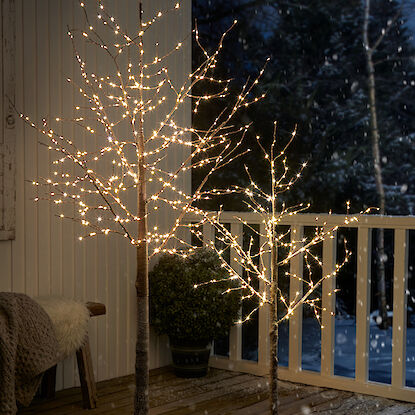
263, 316
400, 285
296, 290
209, 240
235, 337
328, 304
208, 234
364, 248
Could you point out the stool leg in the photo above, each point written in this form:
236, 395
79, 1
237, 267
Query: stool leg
86, 376
47, 389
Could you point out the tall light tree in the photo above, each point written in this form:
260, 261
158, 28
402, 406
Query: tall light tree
137, 170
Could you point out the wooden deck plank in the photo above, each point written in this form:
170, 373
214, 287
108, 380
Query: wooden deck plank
327, 406
219, 393
396, 410
300, 406
287, 396
73, 396
360, 404
177, 384
255, 409
230, 397
194, 396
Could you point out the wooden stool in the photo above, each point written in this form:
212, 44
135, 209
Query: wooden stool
85, 369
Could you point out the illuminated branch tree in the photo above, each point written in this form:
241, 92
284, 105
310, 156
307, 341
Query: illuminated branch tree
259, 279
119, 186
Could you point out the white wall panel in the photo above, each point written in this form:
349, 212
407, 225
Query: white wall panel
46, 257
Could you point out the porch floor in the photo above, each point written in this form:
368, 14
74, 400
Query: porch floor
220, 392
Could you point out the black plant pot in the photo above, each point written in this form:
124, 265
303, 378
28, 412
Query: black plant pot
190, 361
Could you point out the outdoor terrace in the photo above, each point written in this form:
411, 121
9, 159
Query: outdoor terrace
221, 392
358, 360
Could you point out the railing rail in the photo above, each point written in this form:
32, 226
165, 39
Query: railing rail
294, 372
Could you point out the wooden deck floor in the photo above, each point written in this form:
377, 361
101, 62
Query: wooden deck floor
220, 393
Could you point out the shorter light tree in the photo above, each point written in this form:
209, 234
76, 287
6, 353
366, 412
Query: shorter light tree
259, 279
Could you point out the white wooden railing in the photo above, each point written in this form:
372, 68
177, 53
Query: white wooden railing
294, 372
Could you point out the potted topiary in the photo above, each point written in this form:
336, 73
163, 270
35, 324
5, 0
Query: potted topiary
191, 316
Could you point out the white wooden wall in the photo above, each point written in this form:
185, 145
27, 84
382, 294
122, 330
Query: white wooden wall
7, 122
45, 257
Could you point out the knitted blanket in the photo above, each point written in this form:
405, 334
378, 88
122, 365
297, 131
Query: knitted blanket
28, 347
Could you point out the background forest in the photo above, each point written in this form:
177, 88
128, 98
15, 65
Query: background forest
316, 79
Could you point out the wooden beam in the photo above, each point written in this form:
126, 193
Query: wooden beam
208, 234
235, 338
48, 385
296, 290
320, 219
328, 304
86, 376
96, 309
364, 250
8, 123
400, 286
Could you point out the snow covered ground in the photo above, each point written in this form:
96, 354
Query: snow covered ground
380, 349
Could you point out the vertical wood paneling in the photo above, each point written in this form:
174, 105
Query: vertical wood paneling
122, 315
111, 301
2, 123
6, 266
130, 16
117, 319
42, 80
184, 66
68, 240
46, 256
93, 267
55, 97
18, 245
131, 310
103, 260
7, 124
30, 147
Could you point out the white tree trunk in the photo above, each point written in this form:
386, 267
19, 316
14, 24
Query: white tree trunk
141, 398
273, 374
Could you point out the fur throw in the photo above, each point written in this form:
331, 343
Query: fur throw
70, 320
28, 347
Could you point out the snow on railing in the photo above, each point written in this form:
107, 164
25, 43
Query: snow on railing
397, 388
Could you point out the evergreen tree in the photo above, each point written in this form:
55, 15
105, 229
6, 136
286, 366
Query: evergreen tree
316, 80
